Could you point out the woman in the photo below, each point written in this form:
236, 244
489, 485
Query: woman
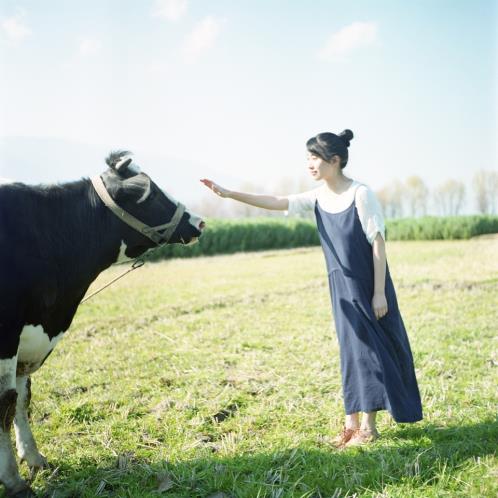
376, 359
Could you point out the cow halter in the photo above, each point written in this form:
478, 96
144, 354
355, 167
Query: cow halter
159, 234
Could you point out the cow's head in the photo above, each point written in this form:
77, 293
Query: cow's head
138, 195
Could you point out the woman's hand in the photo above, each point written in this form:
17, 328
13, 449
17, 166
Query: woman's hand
217, 189
379, 305
258, 200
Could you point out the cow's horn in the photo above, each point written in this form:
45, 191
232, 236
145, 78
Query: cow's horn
123, 164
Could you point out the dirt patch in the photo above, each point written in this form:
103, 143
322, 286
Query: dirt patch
222, 415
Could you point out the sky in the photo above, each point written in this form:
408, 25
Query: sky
234, 89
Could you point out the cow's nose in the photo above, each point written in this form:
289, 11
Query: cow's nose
202, 225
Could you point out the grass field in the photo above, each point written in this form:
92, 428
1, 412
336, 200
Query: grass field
220, 377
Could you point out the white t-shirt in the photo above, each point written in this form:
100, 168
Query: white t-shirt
369, 209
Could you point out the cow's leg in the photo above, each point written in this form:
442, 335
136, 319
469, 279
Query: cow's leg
26, 446
9, 473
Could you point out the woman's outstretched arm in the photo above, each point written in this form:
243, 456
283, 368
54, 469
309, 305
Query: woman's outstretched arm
261, 201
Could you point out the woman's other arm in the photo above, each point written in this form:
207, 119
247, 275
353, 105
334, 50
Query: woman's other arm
379, 302
372, 222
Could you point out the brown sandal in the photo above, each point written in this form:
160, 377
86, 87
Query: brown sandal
361, 436
341, 439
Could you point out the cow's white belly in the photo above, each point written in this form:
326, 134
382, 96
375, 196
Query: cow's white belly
34, 346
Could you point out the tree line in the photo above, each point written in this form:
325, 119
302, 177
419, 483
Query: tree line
413, 198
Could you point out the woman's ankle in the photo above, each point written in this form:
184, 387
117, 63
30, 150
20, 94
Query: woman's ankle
368, 422
368, 428
352, 421
352, 426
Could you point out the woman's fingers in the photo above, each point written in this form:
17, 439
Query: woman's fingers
207, 182
214, 187
379, 305
380, 312
210, 184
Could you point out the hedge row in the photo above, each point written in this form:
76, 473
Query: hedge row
255, 234
441, 227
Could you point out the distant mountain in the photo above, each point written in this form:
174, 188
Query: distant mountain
49, 160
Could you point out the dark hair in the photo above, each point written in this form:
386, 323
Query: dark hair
326, 145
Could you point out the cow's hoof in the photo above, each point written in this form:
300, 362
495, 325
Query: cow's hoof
35, 462
26, 492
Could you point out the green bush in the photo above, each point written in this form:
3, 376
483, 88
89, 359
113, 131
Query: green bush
254, 234
257, 234
441, 228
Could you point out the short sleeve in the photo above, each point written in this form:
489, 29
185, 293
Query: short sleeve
302, 203
370, 213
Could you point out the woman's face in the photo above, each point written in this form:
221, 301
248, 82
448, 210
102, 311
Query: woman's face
319, 169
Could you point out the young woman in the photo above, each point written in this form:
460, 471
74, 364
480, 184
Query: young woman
376, 359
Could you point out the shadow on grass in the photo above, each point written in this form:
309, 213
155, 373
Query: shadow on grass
418, 455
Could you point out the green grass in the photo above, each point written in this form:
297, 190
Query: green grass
221, 375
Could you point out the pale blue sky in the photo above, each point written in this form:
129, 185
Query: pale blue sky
237, 87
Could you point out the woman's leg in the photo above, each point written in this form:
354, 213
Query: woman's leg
367, 433
353, 421
368, 421
350, 427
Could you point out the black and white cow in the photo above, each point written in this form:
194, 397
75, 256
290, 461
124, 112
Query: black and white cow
54, 242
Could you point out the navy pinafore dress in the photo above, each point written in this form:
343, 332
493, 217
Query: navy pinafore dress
376, 359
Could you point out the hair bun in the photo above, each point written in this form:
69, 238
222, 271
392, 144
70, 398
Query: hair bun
346, 136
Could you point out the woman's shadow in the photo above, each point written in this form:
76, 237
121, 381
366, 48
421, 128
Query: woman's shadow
424, 455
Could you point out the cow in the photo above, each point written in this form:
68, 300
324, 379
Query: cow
54, 242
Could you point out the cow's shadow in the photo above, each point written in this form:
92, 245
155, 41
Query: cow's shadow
421, 453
